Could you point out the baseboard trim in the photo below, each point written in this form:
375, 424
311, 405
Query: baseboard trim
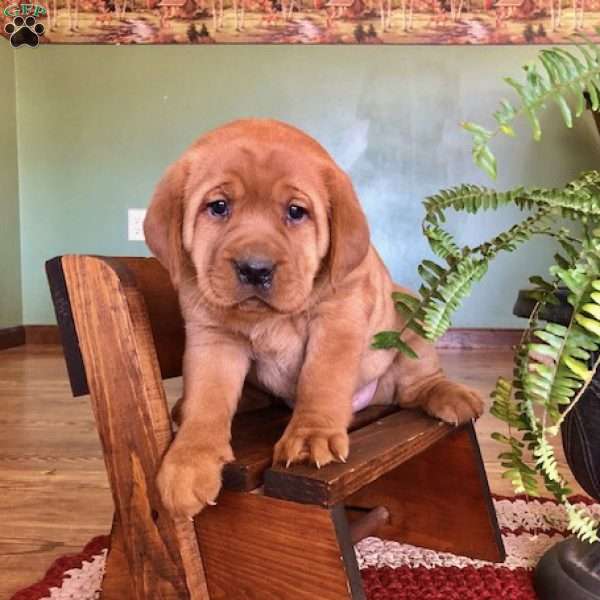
11, 337
458, 338
479, 338
42, 334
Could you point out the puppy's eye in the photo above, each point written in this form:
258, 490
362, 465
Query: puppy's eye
296, 213
219, 208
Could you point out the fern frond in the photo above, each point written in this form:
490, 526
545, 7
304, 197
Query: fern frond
444, 287
471, 199
560, 76
503, 406
552, 371
442, 243
521, 475
581, 524
579, 199
449, 293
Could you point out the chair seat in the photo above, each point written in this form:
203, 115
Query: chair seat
255, 433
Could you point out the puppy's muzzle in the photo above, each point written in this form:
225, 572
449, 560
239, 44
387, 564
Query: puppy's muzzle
256, 272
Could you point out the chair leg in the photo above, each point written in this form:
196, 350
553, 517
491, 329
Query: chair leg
254, 547
116, 584
439, 499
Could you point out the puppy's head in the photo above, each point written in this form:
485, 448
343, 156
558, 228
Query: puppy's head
253, 213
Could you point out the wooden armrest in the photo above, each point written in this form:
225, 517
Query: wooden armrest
374, 450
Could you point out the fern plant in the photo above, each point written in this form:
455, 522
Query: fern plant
564, 77
553, 364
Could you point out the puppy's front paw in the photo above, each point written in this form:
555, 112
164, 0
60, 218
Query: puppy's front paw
190, 478
453, 403
306, 441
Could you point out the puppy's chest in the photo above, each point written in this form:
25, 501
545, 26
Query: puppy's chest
278, 352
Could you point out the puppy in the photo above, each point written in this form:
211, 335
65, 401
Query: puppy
268, 247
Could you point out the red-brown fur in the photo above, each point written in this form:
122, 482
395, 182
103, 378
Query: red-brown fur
308, 337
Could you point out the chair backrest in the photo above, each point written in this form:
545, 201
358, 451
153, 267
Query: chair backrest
152, 282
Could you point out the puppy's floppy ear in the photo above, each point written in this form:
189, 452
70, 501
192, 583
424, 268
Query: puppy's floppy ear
164, 220
349, 238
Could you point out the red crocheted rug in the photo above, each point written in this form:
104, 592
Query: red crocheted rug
391, 571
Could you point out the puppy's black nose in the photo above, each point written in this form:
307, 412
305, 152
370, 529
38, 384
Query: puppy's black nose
255, 271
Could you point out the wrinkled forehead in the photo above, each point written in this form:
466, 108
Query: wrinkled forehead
259, 166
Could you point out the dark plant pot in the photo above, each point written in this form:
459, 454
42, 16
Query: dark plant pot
571, 570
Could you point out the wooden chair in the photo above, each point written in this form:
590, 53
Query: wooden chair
276, 533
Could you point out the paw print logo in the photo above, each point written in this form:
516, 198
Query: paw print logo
24, 31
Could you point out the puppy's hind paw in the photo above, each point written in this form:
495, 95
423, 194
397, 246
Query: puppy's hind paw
454, 403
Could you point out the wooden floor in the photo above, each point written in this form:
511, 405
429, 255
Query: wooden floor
54, 495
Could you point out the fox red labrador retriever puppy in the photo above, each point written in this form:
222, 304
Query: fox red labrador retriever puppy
269, 249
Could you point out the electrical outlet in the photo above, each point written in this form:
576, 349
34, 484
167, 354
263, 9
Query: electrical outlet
135, 224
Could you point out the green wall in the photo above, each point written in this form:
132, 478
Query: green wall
97, 126
10, 262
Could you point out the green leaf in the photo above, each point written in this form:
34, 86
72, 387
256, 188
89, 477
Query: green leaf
384, 340
543, 349
589, 324
403, 347
578, 368
485, 159
564, 110
407, 300
507, 130
499, 437
480, 132
417, 328
592, 309
541, 282
391, 339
